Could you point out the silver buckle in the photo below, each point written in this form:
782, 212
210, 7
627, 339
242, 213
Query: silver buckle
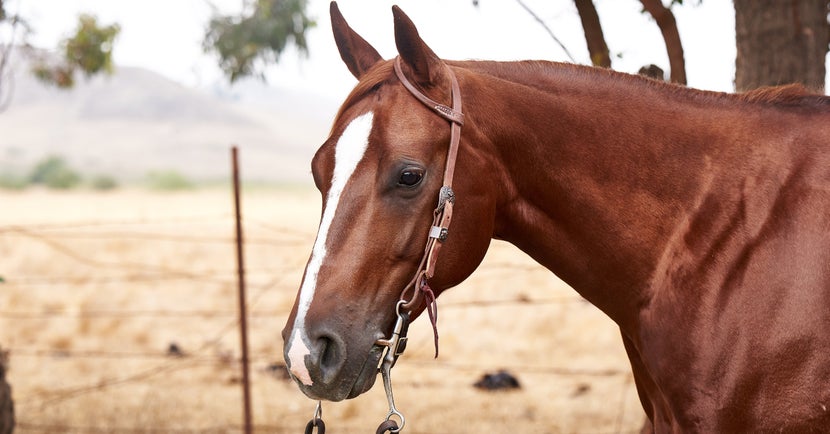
439, 233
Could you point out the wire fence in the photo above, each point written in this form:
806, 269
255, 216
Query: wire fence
61, 239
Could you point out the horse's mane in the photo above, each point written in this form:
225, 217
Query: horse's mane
785, 95
527, 73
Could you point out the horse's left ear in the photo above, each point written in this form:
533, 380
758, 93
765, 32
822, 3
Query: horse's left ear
357, 54
425, 66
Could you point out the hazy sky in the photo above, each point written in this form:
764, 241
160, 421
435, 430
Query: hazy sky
165, 35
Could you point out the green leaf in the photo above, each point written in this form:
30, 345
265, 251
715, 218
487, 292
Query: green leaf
246, 43
88, 50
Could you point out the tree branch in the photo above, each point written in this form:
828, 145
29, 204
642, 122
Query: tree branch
668, 27
594, 37
547, 29
6, 84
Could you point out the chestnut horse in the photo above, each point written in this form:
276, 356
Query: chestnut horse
698, 221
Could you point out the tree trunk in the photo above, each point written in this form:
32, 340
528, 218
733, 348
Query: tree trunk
780, 42
668, 27
6, 404
592, 28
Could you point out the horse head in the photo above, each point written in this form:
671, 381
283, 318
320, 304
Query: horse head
380, 173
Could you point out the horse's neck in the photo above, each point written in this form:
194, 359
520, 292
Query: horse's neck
599, 179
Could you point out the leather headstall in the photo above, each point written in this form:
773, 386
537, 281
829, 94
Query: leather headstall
442, 216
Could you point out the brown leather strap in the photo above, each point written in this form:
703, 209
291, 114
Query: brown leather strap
452, 114
442, 217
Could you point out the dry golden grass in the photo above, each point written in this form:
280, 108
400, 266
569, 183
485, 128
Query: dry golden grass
96, 284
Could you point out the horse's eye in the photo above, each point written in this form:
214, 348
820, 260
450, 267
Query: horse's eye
411, 176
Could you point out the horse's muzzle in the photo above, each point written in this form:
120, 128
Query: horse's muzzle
323, 369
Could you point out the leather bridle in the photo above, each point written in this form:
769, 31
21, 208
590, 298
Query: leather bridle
442, 216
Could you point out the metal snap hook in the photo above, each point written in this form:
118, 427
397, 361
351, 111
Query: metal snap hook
316, 421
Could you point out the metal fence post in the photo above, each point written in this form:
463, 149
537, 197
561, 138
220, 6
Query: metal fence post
243, 323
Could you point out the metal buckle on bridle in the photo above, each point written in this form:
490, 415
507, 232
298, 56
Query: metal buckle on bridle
445, 195
396, 344
439, 233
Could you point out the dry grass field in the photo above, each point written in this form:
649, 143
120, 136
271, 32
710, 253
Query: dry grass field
97, 286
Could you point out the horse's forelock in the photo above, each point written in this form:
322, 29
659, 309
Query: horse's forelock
370, 83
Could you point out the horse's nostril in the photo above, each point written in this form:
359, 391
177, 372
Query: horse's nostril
330, 358
329, 352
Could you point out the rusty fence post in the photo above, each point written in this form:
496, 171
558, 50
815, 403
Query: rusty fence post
240, 266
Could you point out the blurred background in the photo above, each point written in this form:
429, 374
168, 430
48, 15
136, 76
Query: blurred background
117, 285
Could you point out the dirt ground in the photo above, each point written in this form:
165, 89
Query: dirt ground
96, 289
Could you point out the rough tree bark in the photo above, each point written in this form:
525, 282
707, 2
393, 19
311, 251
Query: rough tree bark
780, 42
592, 28
6, 404
668, 27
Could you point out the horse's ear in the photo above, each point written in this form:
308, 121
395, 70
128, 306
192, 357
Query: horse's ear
424, 65
358, 55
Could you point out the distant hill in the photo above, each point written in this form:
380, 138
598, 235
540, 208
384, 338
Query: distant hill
136, 121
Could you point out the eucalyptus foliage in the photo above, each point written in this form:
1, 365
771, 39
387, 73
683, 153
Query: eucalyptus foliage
89, 51
248, 42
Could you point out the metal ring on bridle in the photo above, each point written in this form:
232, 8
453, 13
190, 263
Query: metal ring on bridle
399, 304
394, 412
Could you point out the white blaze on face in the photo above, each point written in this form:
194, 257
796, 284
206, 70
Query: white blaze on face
348, 152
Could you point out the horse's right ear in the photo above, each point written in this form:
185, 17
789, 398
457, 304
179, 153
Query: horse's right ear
358, 55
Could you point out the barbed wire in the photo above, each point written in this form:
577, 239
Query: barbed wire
173, 365
83, 259
61, 355
120, 222
217, 277
49, 428
204, 313
156, 236
218, 429
55, 237
55, 396
269, 357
